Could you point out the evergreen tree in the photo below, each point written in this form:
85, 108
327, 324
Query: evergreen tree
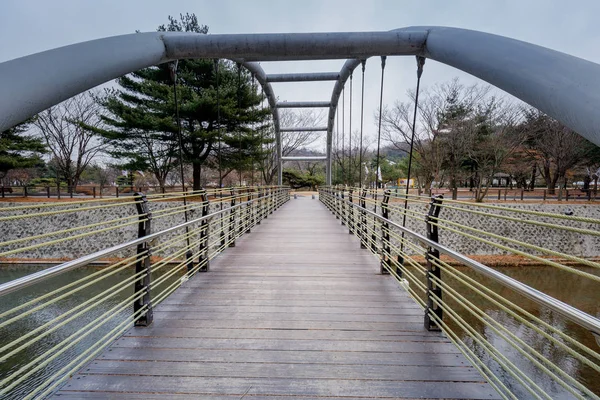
17, 150
141, 114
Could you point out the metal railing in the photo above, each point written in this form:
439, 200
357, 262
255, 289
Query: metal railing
471, 302
56, 322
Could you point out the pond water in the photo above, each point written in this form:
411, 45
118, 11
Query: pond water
567, 287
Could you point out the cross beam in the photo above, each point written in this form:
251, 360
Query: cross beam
317, 129
304, 77
307, 158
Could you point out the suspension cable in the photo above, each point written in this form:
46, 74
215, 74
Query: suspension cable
350, 139
173, 70
383, 58
337, 141
239, 110
219, 138
420, 64
253, 131
343, 132
362, 115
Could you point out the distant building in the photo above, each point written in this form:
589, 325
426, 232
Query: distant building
402, 182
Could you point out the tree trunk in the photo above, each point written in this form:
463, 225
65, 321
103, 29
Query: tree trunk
533, 174
196, 172
550, 180
586, 183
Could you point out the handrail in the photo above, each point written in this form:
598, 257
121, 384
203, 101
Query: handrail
161, 263
31, 279
468, 302
581, 318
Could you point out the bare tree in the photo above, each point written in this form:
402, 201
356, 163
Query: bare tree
555, 147
348, 168
290, 141
491, 139
62, 127
442, 117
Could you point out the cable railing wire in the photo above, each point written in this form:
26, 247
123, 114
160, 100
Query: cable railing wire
59, 344
450, 300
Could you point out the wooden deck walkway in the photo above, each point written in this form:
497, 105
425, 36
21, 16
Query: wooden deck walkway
297, 310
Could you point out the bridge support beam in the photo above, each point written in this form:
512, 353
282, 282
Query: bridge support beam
303, 77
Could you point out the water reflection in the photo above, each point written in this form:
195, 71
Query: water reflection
37, 354
572, 289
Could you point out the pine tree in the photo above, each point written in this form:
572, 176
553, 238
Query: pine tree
141, 114
18, 150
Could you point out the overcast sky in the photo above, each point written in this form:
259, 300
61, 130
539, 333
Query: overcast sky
29, 26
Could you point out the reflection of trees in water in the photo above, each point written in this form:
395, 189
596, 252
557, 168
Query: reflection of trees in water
22, 327
577, 291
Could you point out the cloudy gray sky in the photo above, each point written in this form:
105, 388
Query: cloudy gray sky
29, 26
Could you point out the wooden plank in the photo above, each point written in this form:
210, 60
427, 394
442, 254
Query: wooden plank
273, 386
282, 316
284, 356
408, 310
288, 345
188, 298
233, 323
295, 310
285, 334
394, 373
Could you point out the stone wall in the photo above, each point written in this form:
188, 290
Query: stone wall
559, 240
78, 247
554, 239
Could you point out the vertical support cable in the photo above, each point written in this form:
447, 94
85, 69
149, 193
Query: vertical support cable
253, 131
383, 58
219, 138
239, 110
143, 264
343, 133
350, 138
362, 117
433, 271
173, 72
420, 64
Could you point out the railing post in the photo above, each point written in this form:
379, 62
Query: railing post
249, 198
257, 214
265, 210
94, 190
48, 191
25, 191
363, 218
385, 235
336, 199
143, 264
350, 213
342, 206
203, 247
232, 219
433, 271
373, 236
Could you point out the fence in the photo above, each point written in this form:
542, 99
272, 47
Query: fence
59, 321
455, 291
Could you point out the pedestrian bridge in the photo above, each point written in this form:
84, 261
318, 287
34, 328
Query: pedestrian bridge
388, 296
270, 295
